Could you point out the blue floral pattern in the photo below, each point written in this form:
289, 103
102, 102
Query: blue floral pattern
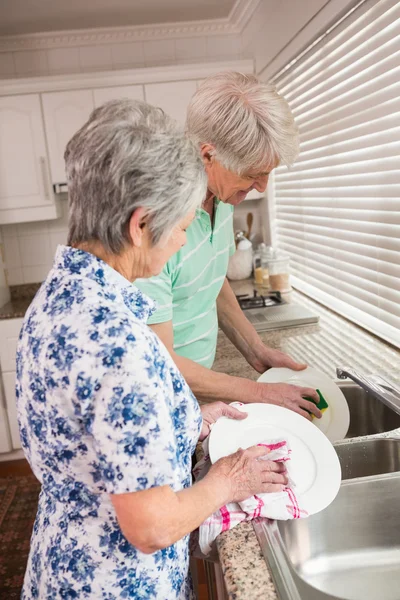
102, 410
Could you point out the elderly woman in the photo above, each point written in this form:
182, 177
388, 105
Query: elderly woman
107, 422
243, 129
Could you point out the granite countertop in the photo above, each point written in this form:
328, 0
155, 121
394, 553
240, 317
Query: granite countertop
21, 297
333, 342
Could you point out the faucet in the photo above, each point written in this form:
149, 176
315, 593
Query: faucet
382, 388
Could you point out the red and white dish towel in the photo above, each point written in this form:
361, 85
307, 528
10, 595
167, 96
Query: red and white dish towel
278, 505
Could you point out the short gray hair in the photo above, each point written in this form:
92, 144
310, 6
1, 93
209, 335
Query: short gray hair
129, 155
246, 120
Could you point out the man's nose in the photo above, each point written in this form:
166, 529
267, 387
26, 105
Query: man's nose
261, 183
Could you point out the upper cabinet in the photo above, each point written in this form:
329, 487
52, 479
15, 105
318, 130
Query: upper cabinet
26, 193
173, 97
64, 114
133, 92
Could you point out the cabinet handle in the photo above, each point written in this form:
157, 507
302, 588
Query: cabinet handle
43, 166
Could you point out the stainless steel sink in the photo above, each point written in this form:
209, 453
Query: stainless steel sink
368, 457
368, 415
350, 551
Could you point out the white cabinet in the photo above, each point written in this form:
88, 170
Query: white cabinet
173, 97
64, 113
5, 440
11, 405
9, 333
134, 92
26, 192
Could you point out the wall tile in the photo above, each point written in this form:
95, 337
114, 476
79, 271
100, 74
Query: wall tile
63, 60
126, 55
12, 257
35, 250
31, 62
35, 274
8, 231
56, 238
16, 277
7, 66
95, 57
159, 51
32, 228
190, 48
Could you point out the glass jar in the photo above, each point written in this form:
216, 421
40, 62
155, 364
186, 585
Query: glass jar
279, 279
260, 265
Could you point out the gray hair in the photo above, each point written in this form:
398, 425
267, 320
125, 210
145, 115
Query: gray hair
129, 155
247, 121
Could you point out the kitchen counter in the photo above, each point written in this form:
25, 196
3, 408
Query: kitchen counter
21, 297
333, 342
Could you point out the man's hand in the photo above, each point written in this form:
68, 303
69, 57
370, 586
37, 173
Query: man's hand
289, 396
212, 412
265, 358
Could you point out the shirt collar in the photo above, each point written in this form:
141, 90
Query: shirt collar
72, 261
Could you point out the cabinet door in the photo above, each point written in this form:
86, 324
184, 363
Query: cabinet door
11, 405
5, 439
172, 97
134, 92
9, 334
64, 114
25, 187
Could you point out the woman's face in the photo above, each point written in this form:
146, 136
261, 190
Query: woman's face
158, 256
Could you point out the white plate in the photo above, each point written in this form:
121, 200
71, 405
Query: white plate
314, 466
335, 420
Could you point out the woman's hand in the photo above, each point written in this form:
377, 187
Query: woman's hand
212, 412
248, 472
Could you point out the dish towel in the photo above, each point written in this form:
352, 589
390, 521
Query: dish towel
278, 505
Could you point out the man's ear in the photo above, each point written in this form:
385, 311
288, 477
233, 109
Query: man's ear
207, 152
138, 226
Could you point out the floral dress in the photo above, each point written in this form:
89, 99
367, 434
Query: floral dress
102, 410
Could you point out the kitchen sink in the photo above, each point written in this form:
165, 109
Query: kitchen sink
349, 551
364, 458
368, 415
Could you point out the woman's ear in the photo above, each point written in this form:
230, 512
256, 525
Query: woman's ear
138, 227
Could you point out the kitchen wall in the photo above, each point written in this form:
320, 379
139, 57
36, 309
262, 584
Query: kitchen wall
29, 247
100, 57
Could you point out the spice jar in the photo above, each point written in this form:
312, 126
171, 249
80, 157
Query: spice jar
260, 265
279, 273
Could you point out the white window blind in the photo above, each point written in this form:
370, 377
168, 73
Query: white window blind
338, 208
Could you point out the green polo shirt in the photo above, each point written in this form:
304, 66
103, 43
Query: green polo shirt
186, 290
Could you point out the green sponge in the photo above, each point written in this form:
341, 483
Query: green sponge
322, 404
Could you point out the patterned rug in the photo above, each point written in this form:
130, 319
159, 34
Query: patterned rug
18, 504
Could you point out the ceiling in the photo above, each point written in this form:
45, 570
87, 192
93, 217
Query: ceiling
37, 16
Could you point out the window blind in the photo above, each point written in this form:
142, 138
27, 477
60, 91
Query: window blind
337, 210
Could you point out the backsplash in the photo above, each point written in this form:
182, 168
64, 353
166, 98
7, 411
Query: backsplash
29, 248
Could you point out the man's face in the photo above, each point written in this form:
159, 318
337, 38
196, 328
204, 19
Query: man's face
232, 188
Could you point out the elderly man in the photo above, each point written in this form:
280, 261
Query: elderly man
244, 129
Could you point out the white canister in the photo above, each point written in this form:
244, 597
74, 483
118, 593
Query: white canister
241, 263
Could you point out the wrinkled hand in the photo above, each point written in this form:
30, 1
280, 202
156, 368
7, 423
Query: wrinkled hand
265, 358
213, 411
246, 475
289, 396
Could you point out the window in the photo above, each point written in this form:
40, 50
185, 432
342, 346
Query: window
338, 208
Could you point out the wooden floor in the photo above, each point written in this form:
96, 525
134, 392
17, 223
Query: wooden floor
16, 468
